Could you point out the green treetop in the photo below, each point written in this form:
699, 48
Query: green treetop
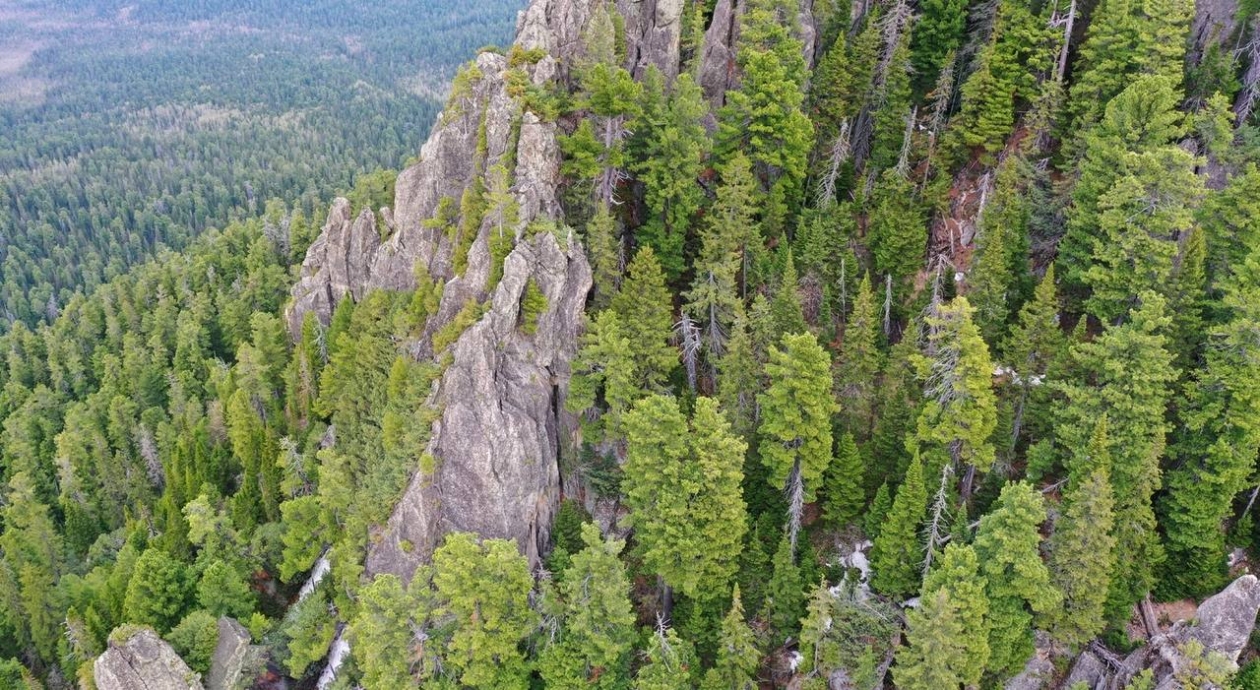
947, 636
1017, 581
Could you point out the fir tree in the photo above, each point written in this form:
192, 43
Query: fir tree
1130, 372
670, 663
684, 493
1219, 444
1082, 555
646, 310
844, 493
898, 229
859, 362
785, 595
947, 636
605, 369
602, 246
897, 555
738, 658
1017, 582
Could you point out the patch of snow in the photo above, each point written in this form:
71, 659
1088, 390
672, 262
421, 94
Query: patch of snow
336, 657
795, 660
318, 573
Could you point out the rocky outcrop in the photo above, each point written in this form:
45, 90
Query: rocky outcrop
496, 442
235, 660
499, 436
718, 70
653, 34
143, 661
1222, 626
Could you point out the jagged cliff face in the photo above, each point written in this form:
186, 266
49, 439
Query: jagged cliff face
498, 439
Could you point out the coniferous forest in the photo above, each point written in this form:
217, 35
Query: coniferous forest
891, 344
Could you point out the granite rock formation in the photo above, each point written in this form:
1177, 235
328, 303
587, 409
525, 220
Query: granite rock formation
143, 662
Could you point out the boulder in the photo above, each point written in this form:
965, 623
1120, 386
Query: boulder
1225, 621
143, 661
233, 657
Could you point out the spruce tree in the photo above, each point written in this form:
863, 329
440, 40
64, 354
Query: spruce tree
844, 492
738, 658
947, 636
881, 505
605, 369
1017, 581
592, 648
1082, 555
684, 495
897, 554
381, 633
739, 378
1230, 219
1035, 344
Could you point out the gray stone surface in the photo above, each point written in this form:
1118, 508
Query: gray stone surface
501, 396
143, 662
229, 667
1225, 621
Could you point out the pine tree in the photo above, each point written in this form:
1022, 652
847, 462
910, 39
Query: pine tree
859, 362
684, 495
1141, 221
646, 310
947, 636
596, 622
1230, 219
1082, 555
1219, 442
484, 589
670, 663
1130, 372
381, 633
960, 409
844, 493
785, 594
796, 420
1018, 583
738, 658
897, 555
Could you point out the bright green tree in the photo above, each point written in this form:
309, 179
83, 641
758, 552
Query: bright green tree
960, 410
785, 595
596, 621
682, 485
605, 369
1017, 581
670, 662
646, 310
157, 592
223, 591
897, 554
483, 588
947, 636
382, 633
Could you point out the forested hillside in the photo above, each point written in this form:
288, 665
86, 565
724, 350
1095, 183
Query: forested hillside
720, 344
132, 126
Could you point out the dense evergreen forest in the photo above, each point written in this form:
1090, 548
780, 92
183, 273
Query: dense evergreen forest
134, 126
907, 360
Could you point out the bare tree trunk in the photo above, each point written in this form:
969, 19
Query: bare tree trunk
667, 600
796, 504
1061, 70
